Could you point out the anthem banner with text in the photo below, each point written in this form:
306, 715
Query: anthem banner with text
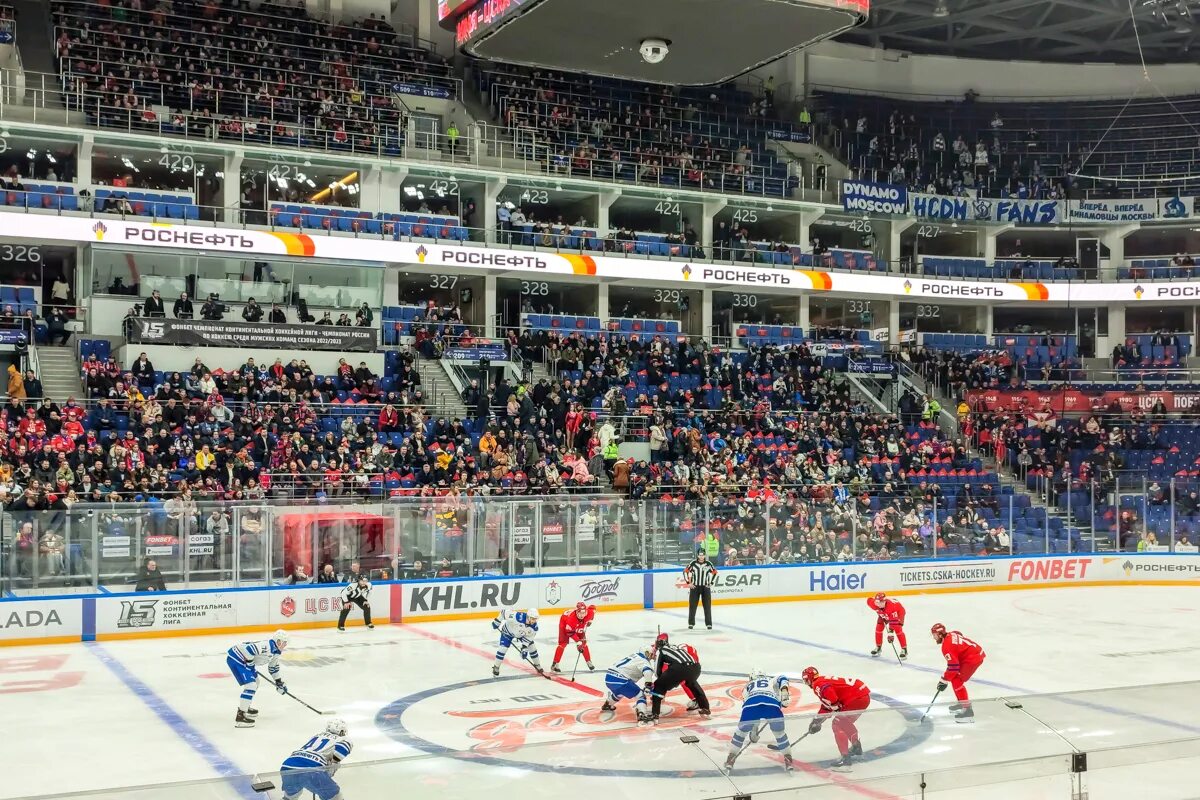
210, 333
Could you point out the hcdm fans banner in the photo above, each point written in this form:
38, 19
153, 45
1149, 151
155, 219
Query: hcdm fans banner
243, 611
210, 333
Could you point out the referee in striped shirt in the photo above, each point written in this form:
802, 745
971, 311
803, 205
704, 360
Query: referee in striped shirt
700, 576
356, 593
675, 665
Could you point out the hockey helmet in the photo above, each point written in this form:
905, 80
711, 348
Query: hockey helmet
531, 614
880, 600
336, 726
281, 638
581, 609
938, 631
809, 675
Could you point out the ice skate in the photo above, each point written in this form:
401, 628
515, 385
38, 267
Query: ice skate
693, 706
555, 668
495, 670
903, 653
965, 714
875, 652
252, 712
843, 764
243, 720
953, 707
591, 667
644, 718
856, 749
728, 767
787, 762
704, 712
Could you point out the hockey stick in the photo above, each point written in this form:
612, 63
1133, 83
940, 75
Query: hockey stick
297, 699
574, 669
930, 707
541, 672
892, 642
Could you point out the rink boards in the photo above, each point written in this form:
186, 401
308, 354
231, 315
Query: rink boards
73, 618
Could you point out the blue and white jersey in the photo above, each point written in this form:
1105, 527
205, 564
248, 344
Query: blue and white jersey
323, 751
763, 697
515, 625
257, 654
635, 668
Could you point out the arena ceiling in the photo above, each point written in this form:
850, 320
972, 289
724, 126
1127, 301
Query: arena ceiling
1046, 30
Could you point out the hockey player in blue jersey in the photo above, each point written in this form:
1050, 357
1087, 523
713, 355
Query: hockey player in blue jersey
311, 768
762, 705
519, 628
625, 679
243, 660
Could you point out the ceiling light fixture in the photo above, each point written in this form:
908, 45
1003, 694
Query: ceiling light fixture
940, 10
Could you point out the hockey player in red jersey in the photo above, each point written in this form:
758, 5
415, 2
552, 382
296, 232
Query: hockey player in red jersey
963, 657
846, 699
573, 625
890, 614
691, 651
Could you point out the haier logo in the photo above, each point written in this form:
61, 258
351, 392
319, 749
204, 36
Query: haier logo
841, 580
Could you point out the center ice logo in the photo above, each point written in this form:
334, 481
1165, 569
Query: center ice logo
519, 722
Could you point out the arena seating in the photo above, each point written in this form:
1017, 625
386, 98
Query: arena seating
610, 129
297, 81
1158, 269
1152, 141
349, 220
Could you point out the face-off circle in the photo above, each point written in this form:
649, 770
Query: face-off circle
495, 723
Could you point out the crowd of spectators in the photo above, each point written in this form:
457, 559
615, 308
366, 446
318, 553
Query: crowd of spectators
579, 125
262, 72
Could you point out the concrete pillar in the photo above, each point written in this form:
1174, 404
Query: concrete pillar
1116, 326
1114, 239
893, 323
988, 236
705, 231
231, 187
802, 319
706, 314
490, 304
602, 302
607, 198
804, 225
491, 193
987, 320
896, 228
83, 161
379, 187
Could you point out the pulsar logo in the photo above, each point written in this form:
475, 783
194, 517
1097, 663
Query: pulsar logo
553, 593
982, 209
287, 607
99, 229
600, 590
421, 253
153, 330
137, 614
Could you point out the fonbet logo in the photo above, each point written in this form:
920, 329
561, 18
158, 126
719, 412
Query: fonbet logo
510, 723
1048, 569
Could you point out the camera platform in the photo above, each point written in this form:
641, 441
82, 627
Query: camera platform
709, 41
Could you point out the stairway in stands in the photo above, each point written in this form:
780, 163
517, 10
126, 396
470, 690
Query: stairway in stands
58, 370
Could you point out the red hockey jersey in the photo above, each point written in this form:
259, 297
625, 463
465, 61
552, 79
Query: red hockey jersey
837, 693
892, 612
569, 624
959, 650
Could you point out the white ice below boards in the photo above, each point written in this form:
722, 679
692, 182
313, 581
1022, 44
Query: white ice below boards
427, 718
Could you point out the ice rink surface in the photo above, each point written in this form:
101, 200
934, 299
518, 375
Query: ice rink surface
427, 719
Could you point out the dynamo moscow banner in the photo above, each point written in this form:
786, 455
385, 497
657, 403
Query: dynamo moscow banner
861, 197
211, 333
